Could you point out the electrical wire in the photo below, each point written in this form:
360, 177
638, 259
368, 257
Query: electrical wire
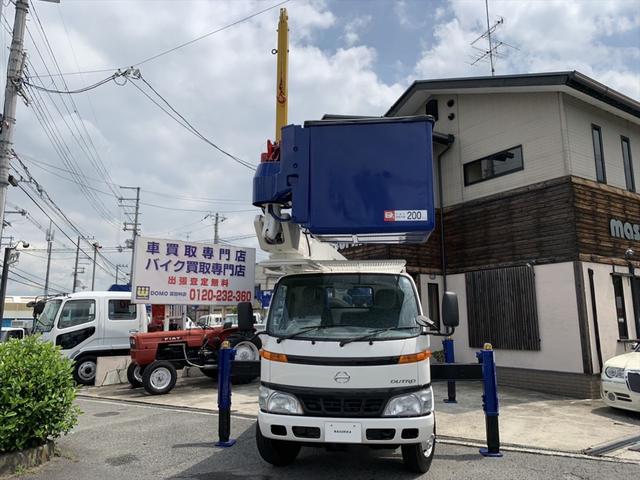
184, 123
39, 163
182, 45
79, 90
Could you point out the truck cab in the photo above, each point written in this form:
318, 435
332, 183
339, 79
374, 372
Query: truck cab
345, 360
88, 325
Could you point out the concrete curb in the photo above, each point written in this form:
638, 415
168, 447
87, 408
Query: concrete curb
31, 457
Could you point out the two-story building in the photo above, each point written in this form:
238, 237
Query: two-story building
541, 227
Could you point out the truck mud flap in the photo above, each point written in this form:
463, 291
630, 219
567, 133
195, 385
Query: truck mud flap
456, 371
245, 369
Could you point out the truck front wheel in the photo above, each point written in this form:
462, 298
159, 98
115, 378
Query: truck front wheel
278, 453
84, 370
417, 457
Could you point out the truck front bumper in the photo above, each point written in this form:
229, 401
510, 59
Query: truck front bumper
378, 431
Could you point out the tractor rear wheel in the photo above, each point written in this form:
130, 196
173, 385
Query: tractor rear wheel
159, 377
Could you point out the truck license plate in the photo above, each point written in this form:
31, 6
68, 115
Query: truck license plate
343, 432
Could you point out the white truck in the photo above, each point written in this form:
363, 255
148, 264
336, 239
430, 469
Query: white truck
88, 325
345, 357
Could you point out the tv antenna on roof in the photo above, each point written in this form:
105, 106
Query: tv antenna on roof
492, 52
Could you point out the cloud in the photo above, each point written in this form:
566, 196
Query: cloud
353, 29
224, 85
549, 35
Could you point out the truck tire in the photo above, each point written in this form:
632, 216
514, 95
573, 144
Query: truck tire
417, 457
159, 377
84, 370
134, 375
278, 453
247, 350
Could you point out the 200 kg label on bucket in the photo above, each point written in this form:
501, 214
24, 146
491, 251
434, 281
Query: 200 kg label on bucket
405, 215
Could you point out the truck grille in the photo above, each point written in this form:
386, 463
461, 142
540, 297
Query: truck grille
633, 379
343, 406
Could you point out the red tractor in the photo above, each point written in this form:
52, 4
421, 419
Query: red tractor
157, 356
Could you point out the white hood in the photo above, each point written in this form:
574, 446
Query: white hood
355, 365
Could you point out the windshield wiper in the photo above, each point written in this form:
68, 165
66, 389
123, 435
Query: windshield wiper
308, 329
375, 333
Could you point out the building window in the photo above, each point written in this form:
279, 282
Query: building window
628, 164
601, 174
621, 313
502, 309
496, 165
434, 304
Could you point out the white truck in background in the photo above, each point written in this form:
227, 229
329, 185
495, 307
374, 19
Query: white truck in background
88, 325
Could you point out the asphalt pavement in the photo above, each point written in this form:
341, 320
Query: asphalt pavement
121, 441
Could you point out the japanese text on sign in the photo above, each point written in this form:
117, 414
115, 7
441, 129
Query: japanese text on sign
175, 272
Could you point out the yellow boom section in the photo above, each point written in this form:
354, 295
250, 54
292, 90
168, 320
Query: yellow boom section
282, 81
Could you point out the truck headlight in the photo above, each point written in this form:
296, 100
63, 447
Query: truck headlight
414, 404
273, 401
614, 372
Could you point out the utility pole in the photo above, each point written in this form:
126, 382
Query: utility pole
217, 220
96, 246
118, 266
49, 245
132, 226
75, 268
12, 89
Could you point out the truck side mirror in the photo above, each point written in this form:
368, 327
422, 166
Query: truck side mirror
245, 316
38, 307
450, 313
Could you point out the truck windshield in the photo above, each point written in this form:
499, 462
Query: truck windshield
344, 306
44, 323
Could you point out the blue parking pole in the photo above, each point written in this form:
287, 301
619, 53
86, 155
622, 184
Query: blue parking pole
225, 360
449, 357
490, 401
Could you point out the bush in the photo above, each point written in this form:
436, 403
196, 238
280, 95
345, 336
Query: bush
36, 394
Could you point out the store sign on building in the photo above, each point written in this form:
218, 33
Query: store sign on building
188, 273
624, 230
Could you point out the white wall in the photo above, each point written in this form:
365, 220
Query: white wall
553, 128
488, 123
423, 288
606, 310
557, 320
579, 117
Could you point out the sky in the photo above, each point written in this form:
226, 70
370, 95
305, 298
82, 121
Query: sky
346, 57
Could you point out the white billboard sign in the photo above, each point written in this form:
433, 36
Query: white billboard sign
175, 272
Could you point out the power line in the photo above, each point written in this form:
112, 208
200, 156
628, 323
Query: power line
57, 209
188, 198
182, 45
110, 78
183, 122
63, 150
94, 157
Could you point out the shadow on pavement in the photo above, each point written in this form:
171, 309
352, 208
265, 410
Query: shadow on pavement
618, 415
243, 461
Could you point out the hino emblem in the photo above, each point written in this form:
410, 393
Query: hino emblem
342, 377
